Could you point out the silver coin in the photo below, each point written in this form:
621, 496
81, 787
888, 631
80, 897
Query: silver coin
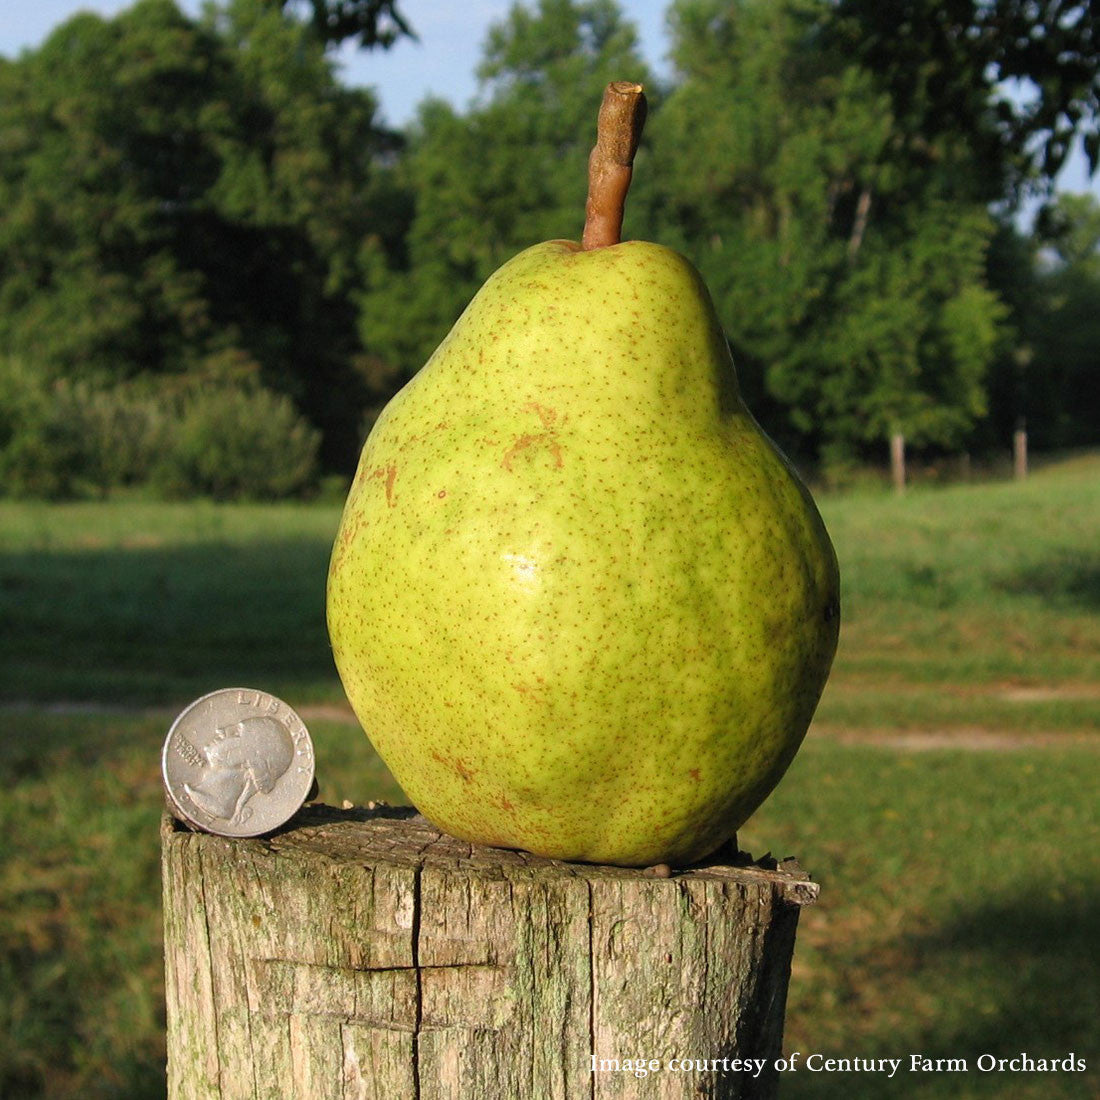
237, 762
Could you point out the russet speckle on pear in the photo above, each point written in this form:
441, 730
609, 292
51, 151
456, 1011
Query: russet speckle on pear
579, 602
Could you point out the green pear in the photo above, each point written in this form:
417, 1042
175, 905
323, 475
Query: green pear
579, 601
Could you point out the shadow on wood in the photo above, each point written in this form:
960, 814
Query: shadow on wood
365, 954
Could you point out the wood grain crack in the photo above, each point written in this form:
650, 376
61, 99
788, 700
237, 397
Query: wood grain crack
591, 988
418, 1018
210, 956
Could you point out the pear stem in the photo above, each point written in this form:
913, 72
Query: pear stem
621, 118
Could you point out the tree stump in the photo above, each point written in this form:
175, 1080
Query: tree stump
364, 954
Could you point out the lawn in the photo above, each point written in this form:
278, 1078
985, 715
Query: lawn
959, 914
946, 798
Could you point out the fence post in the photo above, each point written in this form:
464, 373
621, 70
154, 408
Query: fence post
364, 954
897, 461
1019, 451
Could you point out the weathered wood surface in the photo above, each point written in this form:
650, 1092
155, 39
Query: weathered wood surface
362, 954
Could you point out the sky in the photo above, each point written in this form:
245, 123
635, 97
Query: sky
441, 63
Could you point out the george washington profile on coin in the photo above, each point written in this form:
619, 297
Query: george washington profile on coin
245, 758
237, 762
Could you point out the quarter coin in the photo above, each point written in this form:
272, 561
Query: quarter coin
237, 762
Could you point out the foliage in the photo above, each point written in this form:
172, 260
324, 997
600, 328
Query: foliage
236, 442
124, 429
507, 174
843, 173
40, 453
1046, 379
209, 196
69, 438
225, 436
372, 22
856, 303
989, 95
907, 347
1062, 376
1071, 230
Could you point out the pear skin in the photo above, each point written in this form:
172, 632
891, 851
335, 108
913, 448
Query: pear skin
578, 600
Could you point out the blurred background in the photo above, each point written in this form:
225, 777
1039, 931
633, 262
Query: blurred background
229, 233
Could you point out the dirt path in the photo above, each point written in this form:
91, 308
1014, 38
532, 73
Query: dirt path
1008, 692
323, 712
970, 738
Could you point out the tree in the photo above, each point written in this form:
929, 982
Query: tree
913, 332
988, 95
854, 300
372, 22
189, 196
1061, 384
302, 186
507, 174
1070, 229
92, 174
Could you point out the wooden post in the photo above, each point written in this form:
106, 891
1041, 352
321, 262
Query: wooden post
1019, 451
897, 461
364, 954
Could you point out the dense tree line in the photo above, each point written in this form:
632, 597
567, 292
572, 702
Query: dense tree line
197, 215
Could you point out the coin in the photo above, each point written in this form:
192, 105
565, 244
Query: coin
237, 762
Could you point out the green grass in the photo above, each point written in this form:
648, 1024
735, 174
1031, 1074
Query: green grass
960, 908
82, 1012
975, 584
970, 606
959, 913
155, 603
995, 586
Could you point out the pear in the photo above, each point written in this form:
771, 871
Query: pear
580, 602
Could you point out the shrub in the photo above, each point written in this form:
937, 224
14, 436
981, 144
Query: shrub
220, 436
40, 448
236, 442
120, 432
